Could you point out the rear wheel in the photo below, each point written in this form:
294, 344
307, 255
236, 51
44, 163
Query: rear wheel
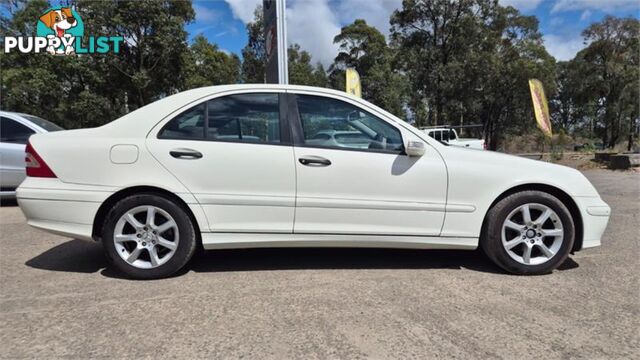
148, 236
529, 232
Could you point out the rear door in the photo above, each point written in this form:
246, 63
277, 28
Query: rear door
234, 153
366, 186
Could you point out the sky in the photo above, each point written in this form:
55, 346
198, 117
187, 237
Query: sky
314, 23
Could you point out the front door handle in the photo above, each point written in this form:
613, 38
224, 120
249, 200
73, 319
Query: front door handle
185, 154
314, 161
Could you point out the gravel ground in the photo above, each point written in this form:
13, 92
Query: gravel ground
57, 300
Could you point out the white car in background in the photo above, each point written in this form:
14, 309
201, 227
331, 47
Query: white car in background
15, 130
241, 166
450, 136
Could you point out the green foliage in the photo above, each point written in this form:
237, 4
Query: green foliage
254, 53
301, 72
205, 65
364, 48
606, 82
85, 91
445, 62
151, 63
470, 60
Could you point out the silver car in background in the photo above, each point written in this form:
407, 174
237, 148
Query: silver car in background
15, 129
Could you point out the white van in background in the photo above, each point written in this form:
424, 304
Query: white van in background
450, 136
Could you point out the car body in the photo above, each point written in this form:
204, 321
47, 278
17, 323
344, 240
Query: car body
193, 157
15, 130
450, 136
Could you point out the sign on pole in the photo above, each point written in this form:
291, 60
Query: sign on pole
353, 82
540, 106
275, 35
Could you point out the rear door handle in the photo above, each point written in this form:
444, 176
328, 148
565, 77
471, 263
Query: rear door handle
314, 161
185, 154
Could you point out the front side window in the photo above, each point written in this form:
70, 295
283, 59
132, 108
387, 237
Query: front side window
13, 132
251, 118
333, 123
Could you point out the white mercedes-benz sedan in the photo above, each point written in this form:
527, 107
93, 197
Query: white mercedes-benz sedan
244, 166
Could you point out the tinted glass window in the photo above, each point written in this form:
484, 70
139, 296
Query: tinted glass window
189, 125
245, 117
336, 124
452, 135
445, 135
45, 124
12, 131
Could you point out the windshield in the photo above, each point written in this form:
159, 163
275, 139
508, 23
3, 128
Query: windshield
45, 124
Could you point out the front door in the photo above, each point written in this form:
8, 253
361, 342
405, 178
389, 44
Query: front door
354, 178
235, 156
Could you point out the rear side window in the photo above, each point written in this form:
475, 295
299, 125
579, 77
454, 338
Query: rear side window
251, 118
13, 132
189, 125
244, 117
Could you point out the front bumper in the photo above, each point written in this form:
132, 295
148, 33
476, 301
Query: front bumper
595, 215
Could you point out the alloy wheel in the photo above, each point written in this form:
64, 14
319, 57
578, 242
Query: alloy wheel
532, 234
146, 237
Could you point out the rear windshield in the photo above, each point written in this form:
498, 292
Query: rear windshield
45, 124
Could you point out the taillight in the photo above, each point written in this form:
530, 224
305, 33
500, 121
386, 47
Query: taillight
36, 167
484, 145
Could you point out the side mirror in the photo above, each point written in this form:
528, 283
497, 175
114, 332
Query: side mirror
415, 148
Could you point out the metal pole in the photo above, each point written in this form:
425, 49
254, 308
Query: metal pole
283, 58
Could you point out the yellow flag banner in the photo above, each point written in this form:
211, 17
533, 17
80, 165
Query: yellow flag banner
540, 106
353, 82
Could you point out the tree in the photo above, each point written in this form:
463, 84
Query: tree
471, 59
611, 76
61, 89
301, 72
90, 90
254, 53
206, 65
150, 62
364, 48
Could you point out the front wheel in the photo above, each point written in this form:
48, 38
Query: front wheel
148, 236
529, 232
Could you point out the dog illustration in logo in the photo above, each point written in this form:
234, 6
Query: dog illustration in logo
59, 21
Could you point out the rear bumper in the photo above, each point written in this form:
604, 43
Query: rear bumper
595, 215
49, 204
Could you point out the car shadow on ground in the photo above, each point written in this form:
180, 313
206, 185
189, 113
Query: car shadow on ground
86, 257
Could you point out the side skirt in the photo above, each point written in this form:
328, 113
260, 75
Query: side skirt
257, 240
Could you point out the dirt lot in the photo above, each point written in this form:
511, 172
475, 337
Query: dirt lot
58, 300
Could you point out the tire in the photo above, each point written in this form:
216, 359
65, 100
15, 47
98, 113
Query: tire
507, 243
129, 243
